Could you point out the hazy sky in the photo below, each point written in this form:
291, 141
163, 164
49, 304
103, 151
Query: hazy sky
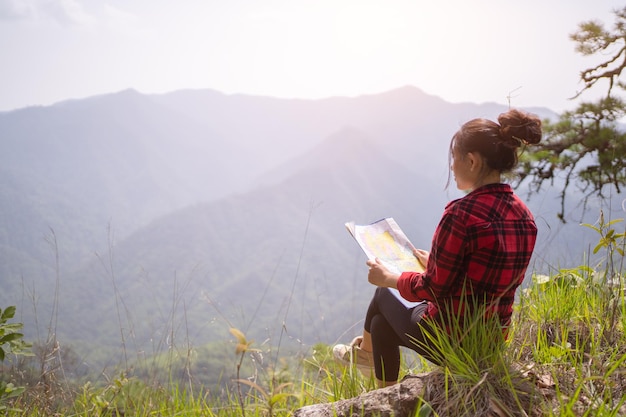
460, 50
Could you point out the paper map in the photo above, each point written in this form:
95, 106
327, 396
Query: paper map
386, 241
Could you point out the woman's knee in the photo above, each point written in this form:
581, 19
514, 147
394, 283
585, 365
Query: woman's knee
380, 328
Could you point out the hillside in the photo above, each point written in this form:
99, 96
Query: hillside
188, 212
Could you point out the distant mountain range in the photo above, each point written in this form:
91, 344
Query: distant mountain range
140, 217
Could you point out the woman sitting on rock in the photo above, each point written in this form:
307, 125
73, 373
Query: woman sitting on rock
480, 251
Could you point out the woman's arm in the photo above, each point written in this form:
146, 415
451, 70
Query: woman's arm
445, 265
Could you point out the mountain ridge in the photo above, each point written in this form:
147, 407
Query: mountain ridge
230, 211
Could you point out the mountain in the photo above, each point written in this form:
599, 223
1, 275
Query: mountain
277, 254
138, 218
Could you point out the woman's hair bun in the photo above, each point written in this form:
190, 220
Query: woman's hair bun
518, 127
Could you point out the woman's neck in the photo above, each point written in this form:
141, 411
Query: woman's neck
492, 177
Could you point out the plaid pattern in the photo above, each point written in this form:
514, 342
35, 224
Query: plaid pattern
480, 251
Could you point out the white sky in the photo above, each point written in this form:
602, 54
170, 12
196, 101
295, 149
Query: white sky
460, 50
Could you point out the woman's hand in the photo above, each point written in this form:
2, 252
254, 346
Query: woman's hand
422, 256
380, 276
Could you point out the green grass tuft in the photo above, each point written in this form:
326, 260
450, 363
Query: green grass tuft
565, 355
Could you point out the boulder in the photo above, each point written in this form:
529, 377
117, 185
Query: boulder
399, 400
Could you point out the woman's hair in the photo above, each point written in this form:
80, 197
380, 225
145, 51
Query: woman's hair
497, 143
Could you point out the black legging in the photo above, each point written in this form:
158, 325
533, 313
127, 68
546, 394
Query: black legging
391, 323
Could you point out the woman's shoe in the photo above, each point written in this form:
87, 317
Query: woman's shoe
352, 354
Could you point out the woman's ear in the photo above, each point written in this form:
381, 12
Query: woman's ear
474, 161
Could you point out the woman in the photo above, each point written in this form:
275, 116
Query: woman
480, 251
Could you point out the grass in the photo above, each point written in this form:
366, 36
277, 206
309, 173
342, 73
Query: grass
565, 355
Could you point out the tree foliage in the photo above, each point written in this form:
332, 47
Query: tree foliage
586, 147
11, 341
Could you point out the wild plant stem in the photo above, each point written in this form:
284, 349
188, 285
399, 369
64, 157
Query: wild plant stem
241, 402
295, 280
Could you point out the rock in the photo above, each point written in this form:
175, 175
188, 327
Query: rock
398, 400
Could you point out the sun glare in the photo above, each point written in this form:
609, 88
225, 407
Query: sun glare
360, 30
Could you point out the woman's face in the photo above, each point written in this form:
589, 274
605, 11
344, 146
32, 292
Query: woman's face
464, 170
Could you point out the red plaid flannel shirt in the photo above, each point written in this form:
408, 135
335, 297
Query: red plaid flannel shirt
481, 248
